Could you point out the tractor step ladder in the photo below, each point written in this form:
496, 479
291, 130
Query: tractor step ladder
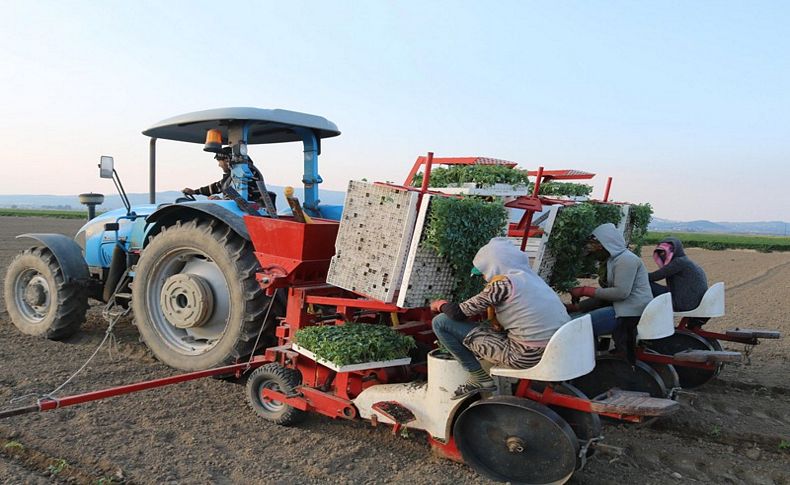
633, 403
709, 356
753, 333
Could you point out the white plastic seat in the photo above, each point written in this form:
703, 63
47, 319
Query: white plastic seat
570, 353
656, 320
712, 304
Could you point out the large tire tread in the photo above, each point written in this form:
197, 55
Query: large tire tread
287, 380
245, 266
71, 300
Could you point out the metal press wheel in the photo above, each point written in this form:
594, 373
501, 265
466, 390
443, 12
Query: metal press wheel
516, 440
690, 377
667, 372
195, 299
586, 426
39, 300
612, 372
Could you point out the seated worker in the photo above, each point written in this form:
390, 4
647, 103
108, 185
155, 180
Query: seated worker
686, 281
616, 307
526, 314
215, 190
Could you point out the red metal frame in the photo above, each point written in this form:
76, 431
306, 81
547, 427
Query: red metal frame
47, 404
453, 161
550, 398
715, 335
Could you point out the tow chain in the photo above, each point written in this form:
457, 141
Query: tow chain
260, 331
112, 312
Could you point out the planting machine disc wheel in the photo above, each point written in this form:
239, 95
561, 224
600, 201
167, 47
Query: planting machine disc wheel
586, 426
195, 299
667, 372
612, 372
39, 300
277, 378
690, 377
512, 439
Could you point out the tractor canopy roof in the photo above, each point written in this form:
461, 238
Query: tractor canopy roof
266, 125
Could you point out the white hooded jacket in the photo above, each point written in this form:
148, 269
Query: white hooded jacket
533, 311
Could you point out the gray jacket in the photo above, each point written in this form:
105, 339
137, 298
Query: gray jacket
685, 279
533, 312
627, 287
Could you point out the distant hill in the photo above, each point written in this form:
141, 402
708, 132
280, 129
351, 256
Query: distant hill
113, 201
768, 228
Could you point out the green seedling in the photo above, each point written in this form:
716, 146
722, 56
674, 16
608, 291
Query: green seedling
58, 466
715, 431
457, 229
784, 445
355, 343
14, 445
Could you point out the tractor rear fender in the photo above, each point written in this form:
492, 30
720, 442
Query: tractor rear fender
68, 254
169, 214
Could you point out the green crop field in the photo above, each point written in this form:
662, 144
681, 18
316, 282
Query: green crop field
724, 241
44, 213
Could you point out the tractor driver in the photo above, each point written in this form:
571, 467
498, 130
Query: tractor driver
524, 312
215, 190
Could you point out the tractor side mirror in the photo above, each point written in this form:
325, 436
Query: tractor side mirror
106, 167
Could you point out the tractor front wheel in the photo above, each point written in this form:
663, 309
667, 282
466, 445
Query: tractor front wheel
39, 300
195, 299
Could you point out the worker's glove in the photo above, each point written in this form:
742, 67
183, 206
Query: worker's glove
436, 306
571, 308
581, 291
188, 191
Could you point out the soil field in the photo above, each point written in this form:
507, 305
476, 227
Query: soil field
736, 429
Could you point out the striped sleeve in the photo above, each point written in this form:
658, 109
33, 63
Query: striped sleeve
492, 295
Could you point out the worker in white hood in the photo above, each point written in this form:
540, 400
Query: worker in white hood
615, 308
523, 312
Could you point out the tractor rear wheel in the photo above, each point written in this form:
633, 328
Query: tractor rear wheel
195, 299
39, 300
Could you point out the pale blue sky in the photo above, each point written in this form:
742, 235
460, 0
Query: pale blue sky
686, 104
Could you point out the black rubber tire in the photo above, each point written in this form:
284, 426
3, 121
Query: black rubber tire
281, 379
614, 372
68, 302
234, 256
690, 377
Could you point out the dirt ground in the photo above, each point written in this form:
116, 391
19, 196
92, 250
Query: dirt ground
736, 429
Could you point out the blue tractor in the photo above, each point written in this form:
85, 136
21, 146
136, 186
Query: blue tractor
186, 269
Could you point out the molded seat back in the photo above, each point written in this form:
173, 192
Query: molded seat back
657, 320
712, 304
569, 354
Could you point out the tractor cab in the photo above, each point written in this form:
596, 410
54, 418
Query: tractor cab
227, 132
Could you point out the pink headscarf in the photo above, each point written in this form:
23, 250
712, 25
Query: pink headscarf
668, 250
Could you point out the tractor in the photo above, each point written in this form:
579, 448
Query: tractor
212, 282
185, 269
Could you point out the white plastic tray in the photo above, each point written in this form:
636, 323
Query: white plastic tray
351, 367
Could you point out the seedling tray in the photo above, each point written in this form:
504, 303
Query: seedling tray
351, 367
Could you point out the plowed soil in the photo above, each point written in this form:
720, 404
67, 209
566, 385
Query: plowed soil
736, 429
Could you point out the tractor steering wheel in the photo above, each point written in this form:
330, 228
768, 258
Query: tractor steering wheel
186, 198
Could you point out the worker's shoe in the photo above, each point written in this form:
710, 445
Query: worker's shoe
472, 388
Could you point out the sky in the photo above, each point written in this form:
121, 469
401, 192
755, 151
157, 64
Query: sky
685, 104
